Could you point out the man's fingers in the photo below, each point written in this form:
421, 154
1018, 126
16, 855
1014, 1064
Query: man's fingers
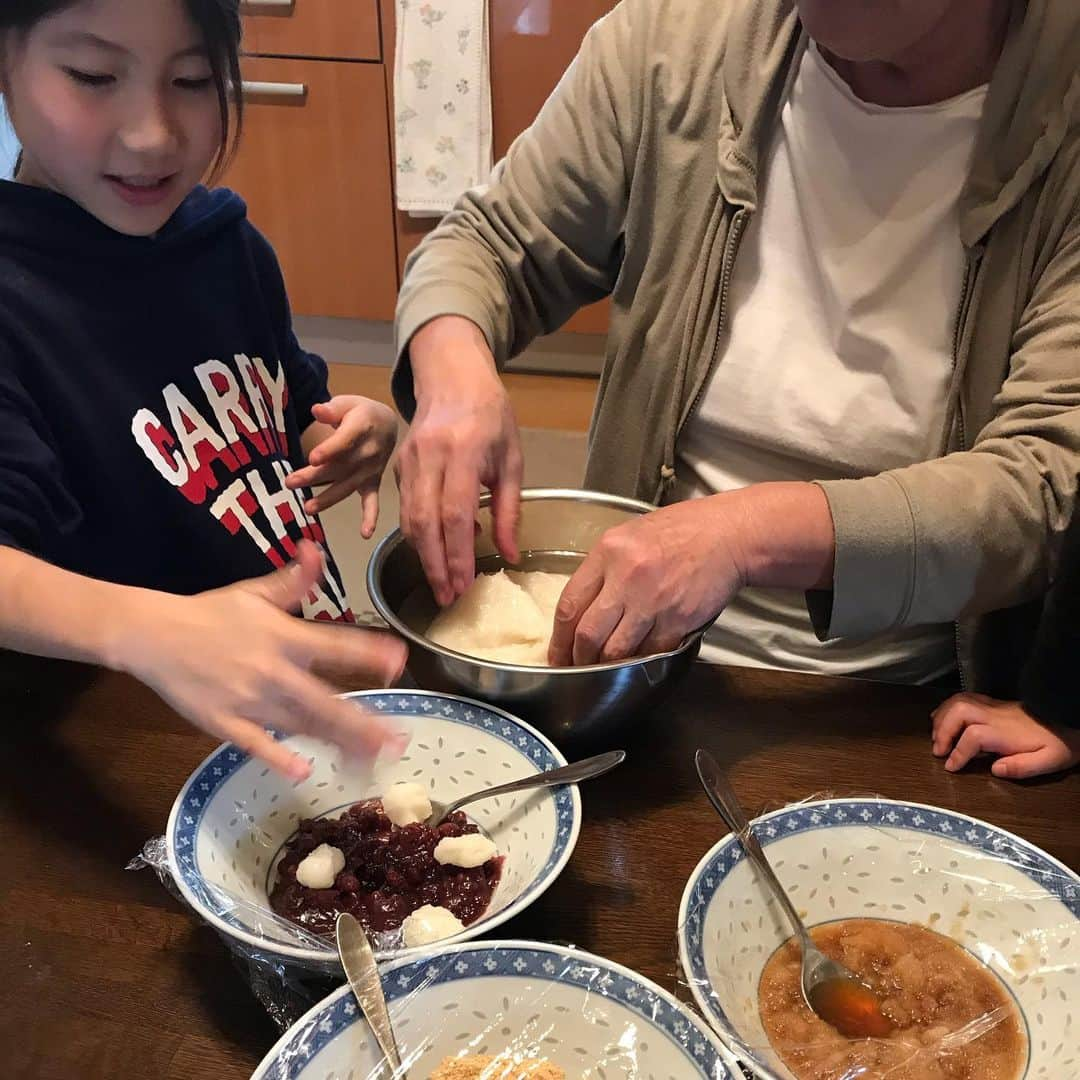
667, 635
248, 736
460, 495
662, 639
593, 631
628, 637
596, 625
581, 590
506, 505
421, 524
432, 551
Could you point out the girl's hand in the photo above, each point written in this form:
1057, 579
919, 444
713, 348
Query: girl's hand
351, 458
233, 662
971, 724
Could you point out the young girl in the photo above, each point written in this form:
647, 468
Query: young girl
153, 397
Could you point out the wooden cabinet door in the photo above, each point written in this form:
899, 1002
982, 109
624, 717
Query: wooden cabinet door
344, 29
532, 44
314, 167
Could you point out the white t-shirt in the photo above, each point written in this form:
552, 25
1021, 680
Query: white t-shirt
839, 350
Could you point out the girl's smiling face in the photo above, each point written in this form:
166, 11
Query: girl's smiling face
115, 106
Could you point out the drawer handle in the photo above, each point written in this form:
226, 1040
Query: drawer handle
255, 6
288, 91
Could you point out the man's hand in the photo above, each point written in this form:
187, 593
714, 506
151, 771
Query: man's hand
463, 437
650, 582
646, 585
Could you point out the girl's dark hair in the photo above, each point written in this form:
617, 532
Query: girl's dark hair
218, 22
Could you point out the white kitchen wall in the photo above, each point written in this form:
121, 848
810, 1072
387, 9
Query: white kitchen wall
9, 146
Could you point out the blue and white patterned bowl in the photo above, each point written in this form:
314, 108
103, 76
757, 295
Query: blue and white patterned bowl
595, 1019
230, 822
1009, 904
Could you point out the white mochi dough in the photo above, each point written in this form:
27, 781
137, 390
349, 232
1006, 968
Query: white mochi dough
506, 617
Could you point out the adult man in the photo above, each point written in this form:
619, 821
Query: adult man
843, 245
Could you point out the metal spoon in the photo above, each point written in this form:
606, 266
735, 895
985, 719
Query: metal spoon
359, 963
567, 774
832, 991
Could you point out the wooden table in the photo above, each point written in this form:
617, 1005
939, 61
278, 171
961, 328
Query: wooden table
104, 974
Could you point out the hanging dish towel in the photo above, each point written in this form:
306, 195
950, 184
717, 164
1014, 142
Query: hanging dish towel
442, 99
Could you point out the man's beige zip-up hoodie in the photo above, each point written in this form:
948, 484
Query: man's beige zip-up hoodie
638, 179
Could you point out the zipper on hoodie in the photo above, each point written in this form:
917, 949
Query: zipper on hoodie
739, 221
970, 271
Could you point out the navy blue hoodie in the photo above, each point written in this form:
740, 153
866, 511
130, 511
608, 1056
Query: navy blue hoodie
152, 397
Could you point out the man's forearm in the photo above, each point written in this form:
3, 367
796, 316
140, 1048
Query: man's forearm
447, 355
787, 537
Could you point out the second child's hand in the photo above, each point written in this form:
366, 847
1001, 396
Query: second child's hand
968, 725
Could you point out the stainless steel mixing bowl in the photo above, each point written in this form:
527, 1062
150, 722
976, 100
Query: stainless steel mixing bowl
558, 527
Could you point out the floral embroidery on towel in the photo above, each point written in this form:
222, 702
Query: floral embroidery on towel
421, 69
403, 117
429, 16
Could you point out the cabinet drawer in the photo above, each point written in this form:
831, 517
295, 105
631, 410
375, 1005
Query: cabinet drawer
314, 168
345, 29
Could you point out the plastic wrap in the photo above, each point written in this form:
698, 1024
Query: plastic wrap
232, 820
544, 1001
1005, 902
516, 1002
286, 991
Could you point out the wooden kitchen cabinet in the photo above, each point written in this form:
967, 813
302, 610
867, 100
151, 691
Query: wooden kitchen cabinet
316, 167
315, 170
328, 29
532, 43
